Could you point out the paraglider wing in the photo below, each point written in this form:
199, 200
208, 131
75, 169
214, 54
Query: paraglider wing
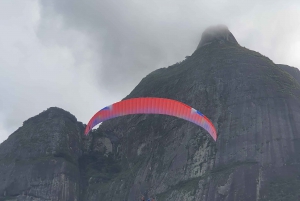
152, 106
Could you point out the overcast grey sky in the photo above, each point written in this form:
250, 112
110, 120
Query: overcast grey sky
83, 55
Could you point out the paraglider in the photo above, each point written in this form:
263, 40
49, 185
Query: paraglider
150, 105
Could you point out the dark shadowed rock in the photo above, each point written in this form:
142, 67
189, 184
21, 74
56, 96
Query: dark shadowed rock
39, 161
294, 72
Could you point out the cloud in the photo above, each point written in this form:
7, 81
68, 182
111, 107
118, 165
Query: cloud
84, 55
271, 30
36, 75
133, 38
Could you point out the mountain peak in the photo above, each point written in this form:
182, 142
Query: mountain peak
219, 33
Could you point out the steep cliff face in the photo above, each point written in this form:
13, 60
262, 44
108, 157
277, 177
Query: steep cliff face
294, 72
39, 161
253, 103
255, 107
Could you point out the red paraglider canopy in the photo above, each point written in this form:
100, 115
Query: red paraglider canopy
151, 105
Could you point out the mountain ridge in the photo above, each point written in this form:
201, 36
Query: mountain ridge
253, 103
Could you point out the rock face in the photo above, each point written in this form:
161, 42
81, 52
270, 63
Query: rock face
39, 161
253, 103
294, 72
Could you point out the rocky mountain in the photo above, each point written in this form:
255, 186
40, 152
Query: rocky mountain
253, 103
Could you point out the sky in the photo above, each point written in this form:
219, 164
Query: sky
84, 55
